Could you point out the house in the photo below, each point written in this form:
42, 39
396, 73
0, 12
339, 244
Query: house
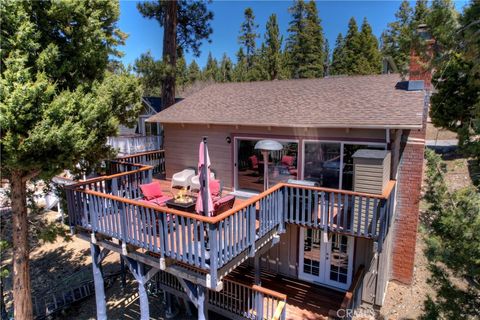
337, 222
143, 136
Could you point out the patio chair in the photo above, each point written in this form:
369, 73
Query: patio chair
152, 193
289, 163
182, 178
195, 181
223, 204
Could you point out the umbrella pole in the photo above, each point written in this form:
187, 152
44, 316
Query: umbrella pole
205, 172
265, 169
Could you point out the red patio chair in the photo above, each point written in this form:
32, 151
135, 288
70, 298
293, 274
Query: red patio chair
152, 193
223, 204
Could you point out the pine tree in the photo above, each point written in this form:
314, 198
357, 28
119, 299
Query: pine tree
194, 73
442, 23
370, 59
420, 14
305, 42
338, 57
240, 69
185, 25
396, 40
273, 53
58, 103
211, 72
151, 73
248, 36
226, 69
353, 61
326, 58
181, 74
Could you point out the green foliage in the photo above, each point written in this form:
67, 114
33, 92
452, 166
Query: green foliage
151, 73
211, 71
56, 108
194, 73
396, 40
453, 229
181, 72
357, 53
305, 42
193, 22
273, 51
248, 36
369, 60
455, 104
226, 69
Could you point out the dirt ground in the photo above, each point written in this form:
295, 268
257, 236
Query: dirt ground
439, 134
407, 302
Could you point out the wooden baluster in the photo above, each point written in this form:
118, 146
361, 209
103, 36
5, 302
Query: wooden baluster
374, 217
367, 214
196, 225
359, 218
189, 240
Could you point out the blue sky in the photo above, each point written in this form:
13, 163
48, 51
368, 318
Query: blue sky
146, 35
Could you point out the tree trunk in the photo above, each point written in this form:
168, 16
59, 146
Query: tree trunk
21, 272
169, 53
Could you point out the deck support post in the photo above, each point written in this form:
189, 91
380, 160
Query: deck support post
258, 280
171, 311
201, 300
124, 274
100, 300
142, 277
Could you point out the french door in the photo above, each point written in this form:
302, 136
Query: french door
326, 258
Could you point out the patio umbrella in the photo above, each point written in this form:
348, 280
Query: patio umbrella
204, 201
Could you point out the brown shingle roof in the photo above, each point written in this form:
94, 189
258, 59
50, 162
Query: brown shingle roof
353, 102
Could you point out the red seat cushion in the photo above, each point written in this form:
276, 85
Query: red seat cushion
151, 190
214, 186
288, 160
254, 160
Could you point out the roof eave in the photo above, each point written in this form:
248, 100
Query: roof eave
350, 126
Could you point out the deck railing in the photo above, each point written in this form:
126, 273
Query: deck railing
155, 158
112, 206
135, 143
354, 213
237, 299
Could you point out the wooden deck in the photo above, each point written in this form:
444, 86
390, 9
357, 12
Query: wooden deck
305, 301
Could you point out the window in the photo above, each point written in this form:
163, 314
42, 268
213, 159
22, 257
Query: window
322, 163
282, 165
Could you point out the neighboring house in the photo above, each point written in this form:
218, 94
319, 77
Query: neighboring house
293, 251
143, 136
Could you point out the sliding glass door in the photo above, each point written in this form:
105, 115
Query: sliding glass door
249, 164
322, 162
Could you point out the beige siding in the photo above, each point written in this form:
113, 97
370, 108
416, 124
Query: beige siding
181, 143
283, 258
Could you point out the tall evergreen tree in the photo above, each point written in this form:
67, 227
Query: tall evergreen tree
185, 25
240, 69
194, 73
58, 103
248, 36
211, 72
226, 69
151, 73
273, 53
420, 14
396, 40
181, 72
338, 60
305, 42
353, 61
326, 58
442, 23
370, 59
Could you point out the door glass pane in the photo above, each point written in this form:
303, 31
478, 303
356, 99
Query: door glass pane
339, 258
348, 151
322, 163
282, 165
311, 252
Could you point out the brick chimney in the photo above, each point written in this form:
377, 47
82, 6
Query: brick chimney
418, 69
